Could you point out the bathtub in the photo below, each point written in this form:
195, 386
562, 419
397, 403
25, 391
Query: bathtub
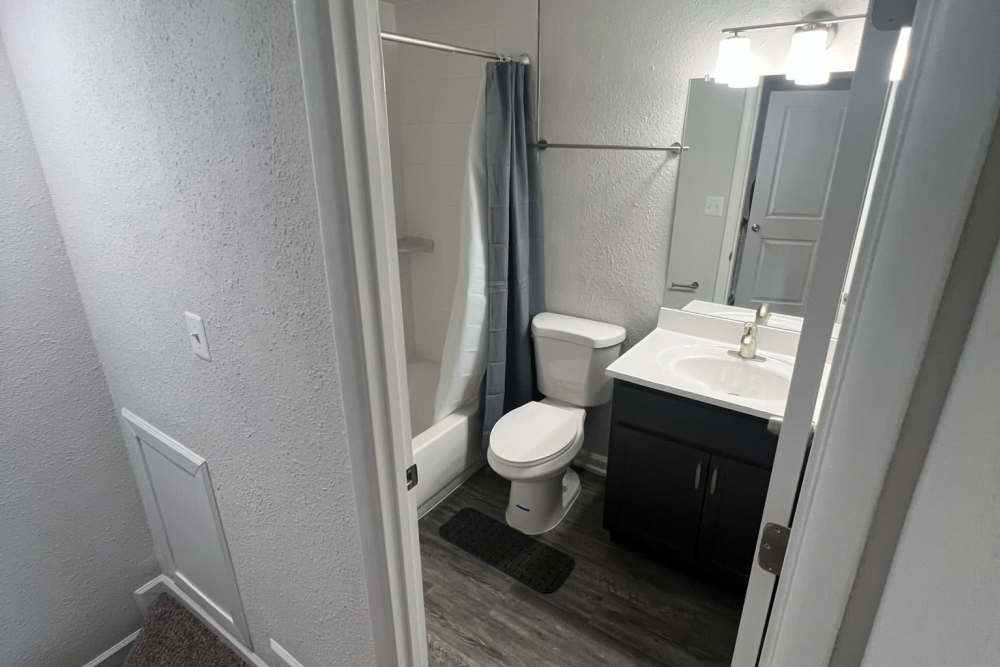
447, 452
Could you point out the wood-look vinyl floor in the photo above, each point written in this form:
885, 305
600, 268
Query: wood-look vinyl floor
618, 607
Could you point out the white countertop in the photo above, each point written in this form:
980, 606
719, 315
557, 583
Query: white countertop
675, 328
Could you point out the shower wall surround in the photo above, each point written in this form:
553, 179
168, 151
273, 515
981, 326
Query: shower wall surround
431, 99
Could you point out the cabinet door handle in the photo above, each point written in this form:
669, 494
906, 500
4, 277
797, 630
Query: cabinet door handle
697, 476
715, 478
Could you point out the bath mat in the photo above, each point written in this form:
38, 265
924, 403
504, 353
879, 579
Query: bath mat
538, 566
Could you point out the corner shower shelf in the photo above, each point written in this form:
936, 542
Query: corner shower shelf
407, 245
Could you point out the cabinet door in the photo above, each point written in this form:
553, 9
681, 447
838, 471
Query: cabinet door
655, 491
734, 503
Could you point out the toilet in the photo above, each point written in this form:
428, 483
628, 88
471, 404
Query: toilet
533, 445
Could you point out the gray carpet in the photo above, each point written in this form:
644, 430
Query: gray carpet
173, 637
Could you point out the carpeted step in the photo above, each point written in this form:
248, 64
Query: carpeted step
173, 637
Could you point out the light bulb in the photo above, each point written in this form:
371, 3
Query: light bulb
735, 64
807, 61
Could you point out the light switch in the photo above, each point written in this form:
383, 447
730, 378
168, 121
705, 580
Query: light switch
196, 334
714, 205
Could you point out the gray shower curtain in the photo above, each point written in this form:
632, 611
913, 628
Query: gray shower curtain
514, 242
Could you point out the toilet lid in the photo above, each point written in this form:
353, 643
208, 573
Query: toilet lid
535, 432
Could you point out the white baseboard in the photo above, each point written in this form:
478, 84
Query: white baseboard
114, 656
591, 462
283, 653
146, 594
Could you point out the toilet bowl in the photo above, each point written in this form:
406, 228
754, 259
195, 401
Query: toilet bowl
533, 445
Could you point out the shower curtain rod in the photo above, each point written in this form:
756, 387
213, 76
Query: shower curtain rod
450, 48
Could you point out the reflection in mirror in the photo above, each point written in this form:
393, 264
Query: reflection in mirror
751, 199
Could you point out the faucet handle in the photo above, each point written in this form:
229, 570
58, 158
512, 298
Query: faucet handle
763, 312
748, 328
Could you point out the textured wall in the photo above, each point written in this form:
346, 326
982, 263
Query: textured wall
173, 139
622, 77
940, 604
73, 537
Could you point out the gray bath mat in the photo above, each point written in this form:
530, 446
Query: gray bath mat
538, 566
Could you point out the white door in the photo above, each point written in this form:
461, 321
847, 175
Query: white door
794, 172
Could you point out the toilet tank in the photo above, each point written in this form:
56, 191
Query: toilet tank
571, 354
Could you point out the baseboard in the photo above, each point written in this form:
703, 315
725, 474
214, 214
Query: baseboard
283, 653
449, 489
146, 594
591, 462
114, 656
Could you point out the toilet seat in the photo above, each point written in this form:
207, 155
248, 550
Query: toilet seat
535, 433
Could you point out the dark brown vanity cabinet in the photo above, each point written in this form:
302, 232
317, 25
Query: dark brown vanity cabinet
687, 480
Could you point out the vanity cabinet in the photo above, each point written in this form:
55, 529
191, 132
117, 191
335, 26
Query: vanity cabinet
687, 480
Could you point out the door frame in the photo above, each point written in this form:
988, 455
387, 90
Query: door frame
340, 53
905, 261
345, 105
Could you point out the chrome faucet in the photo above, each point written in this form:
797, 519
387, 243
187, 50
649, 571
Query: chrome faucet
748, 340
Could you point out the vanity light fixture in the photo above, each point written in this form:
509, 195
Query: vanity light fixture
807, 60
735, 66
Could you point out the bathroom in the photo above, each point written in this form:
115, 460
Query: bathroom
499, 332
647, 251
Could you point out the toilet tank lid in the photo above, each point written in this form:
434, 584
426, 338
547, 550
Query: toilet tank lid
577, 330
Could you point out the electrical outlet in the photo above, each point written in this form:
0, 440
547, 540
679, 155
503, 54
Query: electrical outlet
196, 335
714, 205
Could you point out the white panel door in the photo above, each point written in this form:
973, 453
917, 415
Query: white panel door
794, 172
181, 510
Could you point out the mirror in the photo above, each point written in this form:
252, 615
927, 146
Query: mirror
752, 194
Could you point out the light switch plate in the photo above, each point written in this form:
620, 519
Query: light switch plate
714, 205
196, 334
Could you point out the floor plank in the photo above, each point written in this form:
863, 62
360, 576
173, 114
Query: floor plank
618, 607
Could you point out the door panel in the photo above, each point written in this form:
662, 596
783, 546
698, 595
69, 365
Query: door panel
665, 483
734, 503
794, 173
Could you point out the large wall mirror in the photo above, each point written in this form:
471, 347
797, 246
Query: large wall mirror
752, 196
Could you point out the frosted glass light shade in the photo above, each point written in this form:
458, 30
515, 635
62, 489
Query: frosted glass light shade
807, 59
735, 66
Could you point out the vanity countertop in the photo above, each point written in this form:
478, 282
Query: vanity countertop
693, 355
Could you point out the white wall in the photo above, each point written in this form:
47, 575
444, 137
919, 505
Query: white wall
73, 537
940, 605
622, 76
173, 139
432, 97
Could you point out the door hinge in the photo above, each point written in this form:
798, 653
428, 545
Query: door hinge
773, 543
411, 477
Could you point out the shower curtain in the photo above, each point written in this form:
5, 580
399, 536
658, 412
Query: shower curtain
463, 358
499, 287
514, 242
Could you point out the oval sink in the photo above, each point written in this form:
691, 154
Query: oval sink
720, 370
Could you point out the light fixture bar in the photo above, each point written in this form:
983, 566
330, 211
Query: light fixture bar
796, 24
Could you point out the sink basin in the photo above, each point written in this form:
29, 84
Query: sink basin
720, 370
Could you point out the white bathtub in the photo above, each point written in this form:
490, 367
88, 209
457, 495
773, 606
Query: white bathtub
447, 452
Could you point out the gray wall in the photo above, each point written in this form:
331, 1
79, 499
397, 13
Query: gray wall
73, 537
173, 139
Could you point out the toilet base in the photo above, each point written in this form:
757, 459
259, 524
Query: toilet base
537, 506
